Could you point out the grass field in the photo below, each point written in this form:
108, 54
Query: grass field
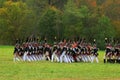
44, 70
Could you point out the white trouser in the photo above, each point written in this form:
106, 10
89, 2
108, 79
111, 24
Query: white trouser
79, 57
16, 58
86, 58
118, 58
82, 58
65, 59
95, 57
46, 55
30, 57
25, 56
40, 57
63, 55
54, 56
89, 58
71, 58
68, 58
33, 56
36, 56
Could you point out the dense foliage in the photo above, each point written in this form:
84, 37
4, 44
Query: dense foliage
70, 19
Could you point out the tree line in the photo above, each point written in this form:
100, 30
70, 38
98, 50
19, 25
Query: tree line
70, 19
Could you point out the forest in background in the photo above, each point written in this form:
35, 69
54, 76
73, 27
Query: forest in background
69, 19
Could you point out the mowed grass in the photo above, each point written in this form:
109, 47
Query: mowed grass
45, 70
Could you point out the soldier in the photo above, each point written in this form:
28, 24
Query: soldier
75, 51
26, 52
29, 50
117, 53
59, 51
89, 49
41, 50
84, 53
67, 54
36, 51
47, 52
54, 54
63, 55
16, 52
95, 54
21, 53
71, 54
108, 53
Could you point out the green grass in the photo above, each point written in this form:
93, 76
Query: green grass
44, 70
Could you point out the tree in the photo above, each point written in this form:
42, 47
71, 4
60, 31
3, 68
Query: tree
104, 29
61, 18
2, 2
14, 17
72, 20
50, 23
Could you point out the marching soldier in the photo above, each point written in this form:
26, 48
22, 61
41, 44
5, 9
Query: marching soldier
117, 53
95, 54
40, 51
16, 53
54, 54
26, 52
47, 52
108, 53
89, 49
21, 53
63, 55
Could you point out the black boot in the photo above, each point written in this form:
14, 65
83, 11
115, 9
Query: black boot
104, 60
117, 61
112, 60
108, 60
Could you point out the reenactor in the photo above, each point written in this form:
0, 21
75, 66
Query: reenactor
63, 55
89, 49
75, 51
26, 52
40, 51
117, 53
59, 51
54, 53
68, 54
21, 53
71, 54
84, 53
108, 53
16, 53
95, 54
47, 52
